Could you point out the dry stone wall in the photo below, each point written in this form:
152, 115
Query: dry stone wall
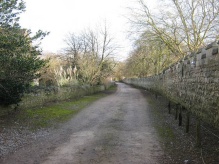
192, 82
56, 94
40, 97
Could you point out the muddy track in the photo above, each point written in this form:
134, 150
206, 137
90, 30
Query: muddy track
114, 129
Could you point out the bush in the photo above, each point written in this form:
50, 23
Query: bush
19, 58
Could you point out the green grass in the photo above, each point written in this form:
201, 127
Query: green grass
53, 114
165, 132
112, 88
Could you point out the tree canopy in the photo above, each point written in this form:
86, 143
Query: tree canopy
183, 25
19, 56
169, 32
91, 52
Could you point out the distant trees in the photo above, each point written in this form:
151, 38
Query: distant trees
58, 72
90, 52
150, 56
171, 31
119, 71
19, 57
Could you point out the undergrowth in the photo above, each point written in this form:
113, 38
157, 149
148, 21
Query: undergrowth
165, 132
52, 114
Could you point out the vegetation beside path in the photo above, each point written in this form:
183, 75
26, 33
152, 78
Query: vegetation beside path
180, 147
54, 113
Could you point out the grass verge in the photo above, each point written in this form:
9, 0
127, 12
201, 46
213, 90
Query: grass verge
55, 113
165, 132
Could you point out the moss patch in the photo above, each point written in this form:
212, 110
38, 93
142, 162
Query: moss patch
53, 114
165, 132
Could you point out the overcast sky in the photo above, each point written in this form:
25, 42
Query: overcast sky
62, 17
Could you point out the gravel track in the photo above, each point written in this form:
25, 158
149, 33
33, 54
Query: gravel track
115, 129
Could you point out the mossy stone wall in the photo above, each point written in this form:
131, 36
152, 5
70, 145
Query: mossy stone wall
192, 82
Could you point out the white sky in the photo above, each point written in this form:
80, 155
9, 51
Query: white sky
61, 17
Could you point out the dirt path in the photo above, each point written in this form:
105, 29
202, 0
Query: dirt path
115, 129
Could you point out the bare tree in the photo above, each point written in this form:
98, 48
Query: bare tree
150, 56
91, 52
183, 25
75, 47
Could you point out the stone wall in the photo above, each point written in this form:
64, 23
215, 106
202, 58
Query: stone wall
39, 97
192, 82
